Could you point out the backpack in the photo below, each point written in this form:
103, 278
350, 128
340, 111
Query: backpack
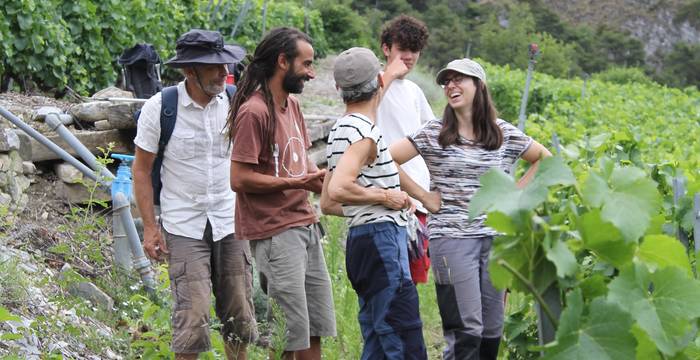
141, 70
168, 115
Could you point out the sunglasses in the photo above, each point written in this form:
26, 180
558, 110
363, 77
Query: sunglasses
456, 80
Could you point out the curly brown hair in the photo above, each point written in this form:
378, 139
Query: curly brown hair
407, 32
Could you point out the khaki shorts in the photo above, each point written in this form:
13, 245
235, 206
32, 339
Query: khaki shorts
298, 282
196, 268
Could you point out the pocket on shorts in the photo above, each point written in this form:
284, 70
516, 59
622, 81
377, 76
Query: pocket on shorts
180, 287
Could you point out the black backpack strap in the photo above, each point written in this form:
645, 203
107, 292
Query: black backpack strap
168, 115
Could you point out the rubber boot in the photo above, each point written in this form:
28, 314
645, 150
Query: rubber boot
489, 348
466, 346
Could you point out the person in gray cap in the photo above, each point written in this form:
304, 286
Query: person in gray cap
196, 229
364, 184
468, 141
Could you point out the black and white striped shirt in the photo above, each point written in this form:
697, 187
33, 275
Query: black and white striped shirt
381, 174
455, 173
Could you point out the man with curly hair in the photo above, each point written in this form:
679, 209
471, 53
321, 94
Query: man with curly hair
402, 111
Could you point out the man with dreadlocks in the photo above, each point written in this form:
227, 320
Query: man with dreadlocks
272, 175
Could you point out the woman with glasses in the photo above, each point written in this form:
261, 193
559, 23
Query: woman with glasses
459, 148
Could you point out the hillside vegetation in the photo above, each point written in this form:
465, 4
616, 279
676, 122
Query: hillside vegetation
48, 45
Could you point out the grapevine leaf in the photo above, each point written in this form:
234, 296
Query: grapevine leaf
562, 257
553, 171
631, 203
499, 192
595, 190
662, 251
501, 223
602, 334
628, 203
603, 239
664, 304
594, 286
646, 349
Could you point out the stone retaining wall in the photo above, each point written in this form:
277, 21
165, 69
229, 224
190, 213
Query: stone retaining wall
14, 172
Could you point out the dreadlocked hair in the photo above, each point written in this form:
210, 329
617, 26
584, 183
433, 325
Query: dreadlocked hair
260, 69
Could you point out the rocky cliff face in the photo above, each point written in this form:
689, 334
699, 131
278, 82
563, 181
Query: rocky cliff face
654, 22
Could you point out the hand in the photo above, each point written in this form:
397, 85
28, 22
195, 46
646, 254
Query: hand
397, 200
396, 69
432, 201
313, 182
153, 243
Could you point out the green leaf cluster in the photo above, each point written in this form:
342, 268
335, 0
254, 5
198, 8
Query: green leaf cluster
630, 290
55, 43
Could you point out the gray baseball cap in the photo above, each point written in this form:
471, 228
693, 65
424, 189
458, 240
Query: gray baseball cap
463, 66
355, 66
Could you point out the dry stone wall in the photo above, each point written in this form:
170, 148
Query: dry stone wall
106, 117
14, 172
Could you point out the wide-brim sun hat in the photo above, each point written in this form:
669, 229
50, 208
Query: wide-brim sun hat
355, 66
464, 66
206, 48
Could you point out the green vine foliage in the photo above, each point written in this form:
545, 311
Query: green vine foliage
76, 43
57, 43
599, 221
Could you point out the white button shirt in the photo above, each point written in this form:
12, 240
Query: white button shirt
196, 165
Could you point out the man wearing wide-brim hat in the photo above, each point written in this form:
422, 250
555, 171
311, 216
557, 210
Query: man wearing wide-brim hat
195, 233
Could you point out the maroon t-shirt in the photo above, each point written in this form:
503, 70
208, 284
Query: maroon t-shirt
260, 216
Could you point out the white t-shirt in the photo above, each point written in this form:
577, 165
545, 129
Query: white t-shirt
403, 110
196, 165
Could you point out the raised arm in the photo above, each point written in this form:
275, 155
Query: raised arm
533, 155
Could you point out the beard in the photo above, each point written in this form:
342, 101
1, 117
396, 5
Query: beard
215, 87
293, 83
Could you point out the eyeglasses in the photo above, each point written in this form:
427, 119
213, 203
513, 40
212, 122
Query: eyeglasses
457, 79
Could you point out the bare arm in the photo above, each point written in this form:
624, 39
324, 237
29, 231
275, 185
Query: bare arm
430, 199
403, 151
245, 179
394, 70
317, 184
153, 242
343, 188
328, 206
533, 155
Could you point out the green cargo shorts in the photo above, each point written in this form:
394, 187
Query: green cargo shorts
198, 266
298, 282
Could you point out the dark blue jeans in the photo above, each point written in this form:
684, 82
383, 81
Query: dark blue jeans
377, 265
